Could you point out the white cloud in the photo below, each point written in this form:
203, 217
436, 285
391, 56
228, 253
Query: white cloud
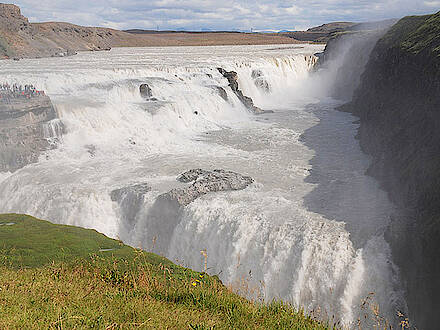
293, 10
220, 15
432, 4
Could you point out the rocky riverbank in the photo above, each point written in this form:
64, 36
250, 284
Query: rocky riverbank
398, 102
29, 125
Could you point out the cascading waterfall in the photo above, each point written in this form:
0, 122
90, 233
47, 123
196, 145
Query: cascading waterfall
265, 235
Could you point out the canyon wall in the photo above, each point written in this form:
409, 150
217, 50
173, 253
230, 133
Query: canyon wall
398, 102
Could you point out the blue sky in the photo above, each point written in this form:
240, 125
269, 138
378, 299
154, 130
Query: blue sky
219, 14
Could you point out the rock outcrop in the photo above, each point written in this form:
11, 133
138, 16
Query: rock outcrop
398, 103
204, 182
145, 91
232, 78
28, 126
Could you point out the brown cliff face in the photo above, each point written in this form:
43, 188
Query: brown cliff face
12, 28
398, 103
11, 18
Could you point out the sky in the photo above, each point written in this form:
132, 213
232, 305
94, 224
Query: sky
199, 15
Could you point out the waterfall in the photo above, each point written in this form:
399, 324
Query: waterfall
268, 236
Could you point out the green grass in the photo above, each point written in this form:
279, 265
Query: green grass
58, 277
32, 242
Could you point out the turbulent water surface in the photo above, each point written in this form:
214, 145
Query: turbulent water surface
309, 230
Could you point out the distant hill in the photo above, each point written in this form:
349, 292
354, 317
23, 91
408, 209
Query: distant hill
140, 31
332, 27
323, 33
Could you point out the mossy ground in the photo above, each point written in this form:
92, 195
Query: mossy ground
416, 34
64, 277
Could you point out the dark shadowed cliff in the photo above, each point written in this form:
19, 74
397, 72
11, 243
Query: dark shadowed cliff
398, 102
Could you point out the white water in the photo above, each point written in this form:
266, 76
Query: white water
310, 230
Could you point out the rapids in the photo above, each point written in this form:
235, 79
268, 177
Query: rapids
308, 231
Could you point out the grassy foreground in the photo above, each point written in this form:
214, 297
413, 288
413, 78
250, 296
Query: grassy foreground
63, 277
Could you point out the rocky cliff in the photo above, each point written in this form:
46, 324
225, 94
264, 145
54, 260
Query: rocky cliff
28, 126
398, 102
